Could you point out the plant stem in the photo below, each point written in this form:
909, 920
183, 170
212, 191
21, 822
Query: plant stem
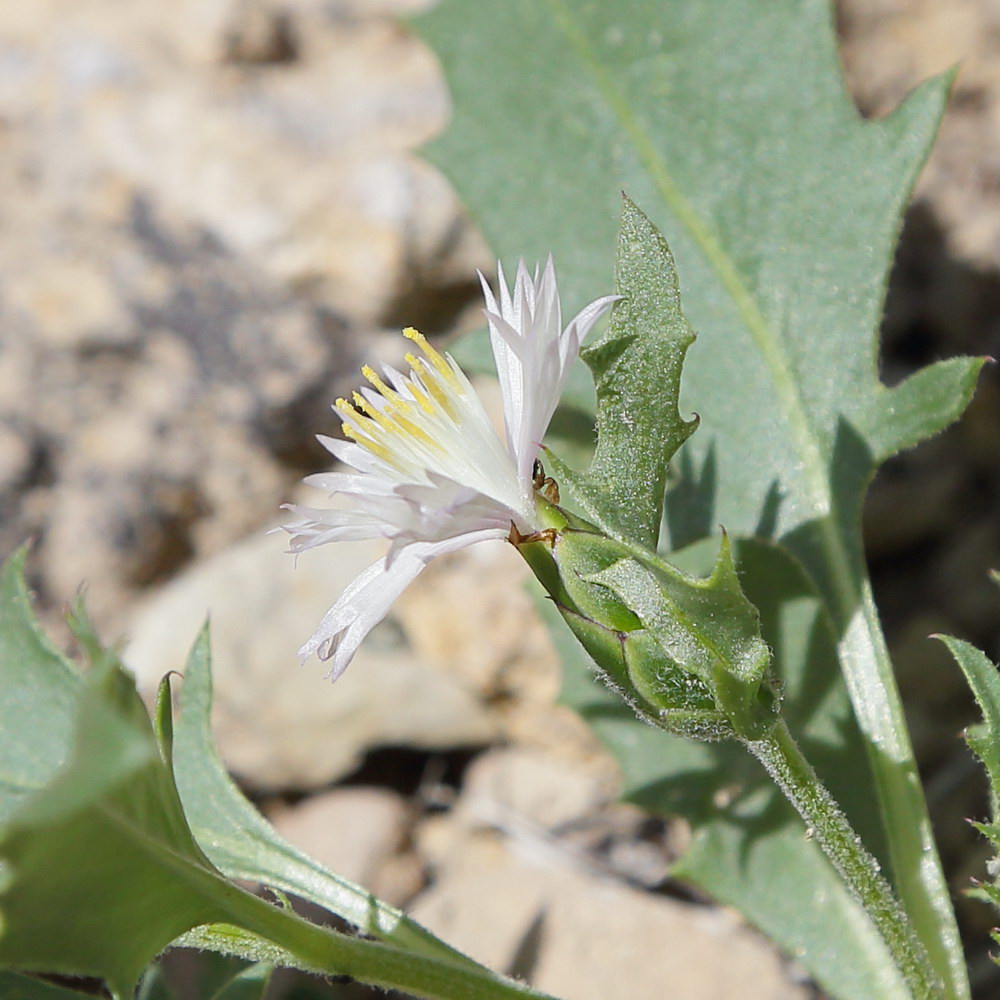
781, 756
372, 962
916, 865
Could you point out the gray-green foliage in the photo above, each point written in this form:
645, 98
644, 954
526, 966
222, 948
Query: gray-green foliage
105, 861
728, 124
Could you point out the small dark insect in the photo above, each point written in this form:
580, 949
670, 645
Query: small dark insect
545, 485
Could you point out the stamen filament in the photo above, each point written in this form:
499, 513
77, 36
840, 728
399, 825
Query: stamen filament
436, 359
393, 419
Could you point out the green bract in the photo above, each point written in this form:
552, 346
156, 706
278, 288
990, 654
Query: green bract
685, 653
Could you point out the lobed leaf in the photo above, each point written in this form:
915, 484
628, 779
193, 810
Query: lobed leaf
241, 842
636, 367
40, 689
984, 679
101, 870
984, 741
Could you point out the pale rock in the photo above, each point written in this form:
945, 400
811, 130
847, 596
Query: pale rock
527, 787
510, 904
74, 302
357, 832
512, 888
195, 210
278, 724
566, 805
15, 456
473, 615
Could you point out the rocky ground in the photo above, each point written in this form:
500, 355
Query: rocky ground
210, 219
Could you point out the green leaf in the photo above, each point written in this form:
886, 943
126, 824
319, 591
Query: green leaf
728, 123
109, 835
749, 849
100, 869
984, 679
984, 741
637, 370
14, 986
241, 843
39, 688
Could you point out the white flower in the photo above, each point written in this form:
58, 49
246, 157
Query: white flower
430, 472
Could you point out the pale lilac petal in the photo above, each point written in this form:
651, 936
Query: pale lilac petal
357, 611
506, 305
510, 336
491, 302
320, 525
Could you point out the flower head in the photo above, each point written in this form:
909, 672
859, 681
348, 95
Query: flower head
429, 471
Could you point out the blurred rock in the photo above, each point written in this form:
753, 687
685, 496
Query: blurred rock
159, 426
279, 725
358, 833
890, 46
536, 795
520, 880
473, 615
282, 128
530, 787
514, 906
206, 215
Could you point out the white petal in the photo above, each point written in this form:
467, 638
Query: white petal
427, 469
351, 454
346, 482
367, 599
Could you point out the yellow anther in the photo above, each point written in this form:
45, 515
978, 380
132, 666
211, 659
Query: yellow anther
436, 359
351, 415
397, 400
362, 404
372, 423
421, 397
373, 377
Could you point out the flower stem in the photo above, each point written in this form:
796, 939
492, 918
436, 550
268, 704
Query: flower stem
784, 762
